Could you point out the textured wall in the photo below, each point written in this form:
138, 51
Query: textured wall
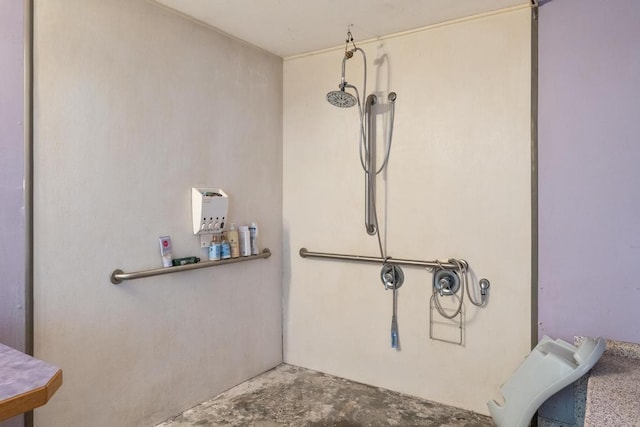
458, 185
134, 106
588, 157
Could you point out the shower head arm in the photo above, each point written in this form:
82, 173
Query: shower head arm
348, 55
343, 83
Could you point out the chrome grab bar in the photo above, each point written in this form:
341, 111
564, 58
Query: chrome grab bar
118, 276
304, 253
370, 168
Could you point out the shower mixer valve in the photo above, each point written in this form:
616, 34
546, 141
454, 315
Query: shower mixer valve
446, 282
392, 276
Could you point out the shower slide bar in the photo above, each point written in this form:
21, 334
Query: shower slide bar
118, 276
304, 253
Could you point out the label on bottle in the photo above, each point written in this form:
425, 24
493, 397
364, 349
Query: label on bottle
215, 251
226, 250
232, 236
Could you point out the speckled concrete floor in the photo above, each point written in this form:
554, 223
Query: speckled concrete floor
293, 396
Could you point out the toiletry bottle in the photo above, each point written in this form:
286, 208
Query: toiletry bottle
165, 250
226, 248
253, 235
215, 250
245, 240
232, 235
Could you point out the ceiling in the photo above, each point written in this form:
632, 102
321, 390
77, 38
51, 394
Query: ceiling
293, 27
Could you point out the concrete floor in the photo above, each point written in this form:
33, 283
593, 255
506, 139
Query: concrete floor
293, 396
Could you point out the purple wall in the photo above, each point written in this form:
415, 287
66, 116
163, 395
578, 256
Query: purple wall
12, 225
589, 169
12, 218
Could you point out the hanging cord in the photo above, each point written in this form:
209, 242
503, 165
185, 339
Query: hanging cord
363, 128
370, 176
363, 131
363, 147
462, 269
483, 301
375, 219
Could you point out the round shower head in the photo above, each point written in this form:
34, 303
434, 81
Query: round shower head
341, 99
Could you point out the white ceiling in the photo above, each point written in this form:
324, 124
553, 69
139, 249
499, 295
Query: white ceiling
293, 27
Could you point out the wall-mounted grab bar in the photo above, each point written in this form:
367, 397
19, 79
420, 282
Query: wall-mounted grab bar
118, 276
304, 253
370, 167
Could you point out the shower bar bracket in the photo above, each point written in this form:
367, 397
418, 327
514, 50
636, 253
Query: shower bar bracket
304, 253
118, 276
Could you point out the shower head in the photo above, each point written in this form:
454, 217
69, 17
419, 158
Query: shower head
341, 98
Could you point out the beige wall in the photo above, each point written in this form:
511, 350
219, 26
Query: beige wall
133, 107
458, 185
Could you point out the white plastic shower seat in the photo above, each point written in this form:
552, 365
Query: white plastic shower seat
551, 366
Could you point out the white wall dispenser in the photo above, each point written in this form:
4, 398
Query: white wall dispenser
209, 208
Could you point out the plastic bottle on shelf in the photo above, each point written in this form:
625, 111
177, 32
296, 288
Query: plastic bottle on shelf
245, 240
232, 236
253, 236
215, 250
225, 253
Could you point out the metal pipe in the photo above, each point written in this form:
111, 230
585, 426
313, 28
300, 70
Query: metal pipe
343, 82
118, 276
28, 180
304, 253
28, 175
535, 219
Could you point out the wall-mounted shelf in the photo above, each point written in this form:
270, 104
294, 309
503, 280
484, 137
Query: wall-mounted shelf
118, 276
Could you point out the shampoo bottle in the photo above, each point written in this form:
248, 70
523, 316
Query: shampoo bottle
226, 248
215, 250
232, 235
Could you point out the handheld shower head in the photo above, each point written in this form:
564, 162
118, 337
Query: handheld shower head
341, 98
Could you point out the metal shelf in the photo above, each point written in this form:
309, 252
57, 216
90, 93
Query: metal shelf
118, 276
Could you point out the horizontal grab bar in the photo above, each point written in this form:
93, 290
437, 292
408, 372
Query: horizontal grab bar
118, 276
304, 253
